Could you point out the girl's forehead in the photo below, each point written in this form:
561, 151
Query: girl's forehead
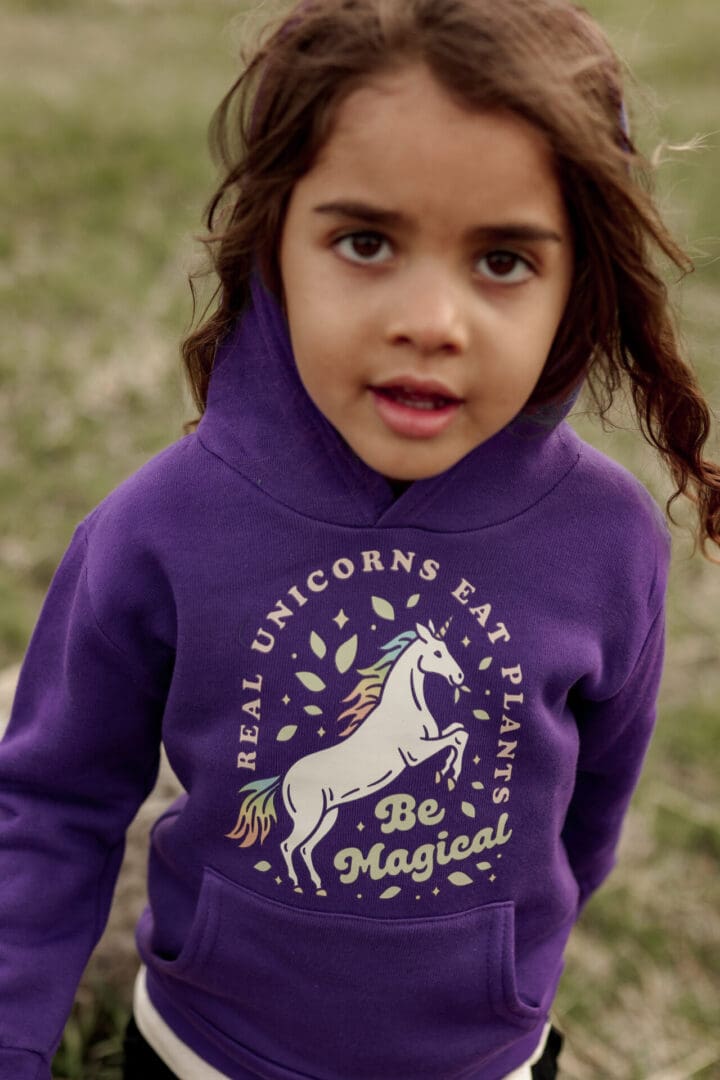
402, 138
410, 111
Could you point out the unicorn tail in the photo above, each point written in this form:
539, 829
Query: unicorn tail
257, 812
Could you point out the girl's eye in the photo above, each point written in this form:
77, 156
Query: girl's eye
364, 247
505, 267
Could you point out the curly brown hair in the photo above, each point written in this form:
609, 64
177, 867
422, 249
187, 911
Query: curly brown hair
545, 60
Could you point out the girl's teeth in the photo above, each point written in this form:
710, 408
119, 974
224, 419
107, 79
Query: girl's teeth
415, 401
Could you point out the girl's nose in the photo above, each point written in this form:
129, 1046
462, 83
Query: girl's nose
428, 315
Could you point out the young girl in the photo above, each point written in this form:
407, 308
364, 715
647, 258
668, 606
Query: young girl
399, 629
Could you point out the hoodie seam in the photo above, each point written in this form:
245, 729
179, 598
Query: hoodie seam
42, 1059
422, 505
273, 498
141, 684
657, 617
416, 509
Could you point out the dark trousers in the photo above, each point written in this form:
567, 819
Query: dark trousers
142, 1063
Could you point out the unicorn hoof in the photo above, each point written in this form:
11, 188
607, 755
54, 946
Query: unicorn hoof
297, 889
321, 892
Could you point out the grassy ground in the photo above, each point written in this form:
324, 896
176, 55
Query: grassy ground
103, 110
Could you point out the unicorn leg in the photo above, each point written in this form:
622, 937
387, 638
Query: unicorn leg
454, 739
307, 848
455, 758
448, 762
306, 818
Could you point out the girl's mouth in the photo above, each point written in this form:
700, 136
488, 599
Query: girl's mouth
414, 412
415, 399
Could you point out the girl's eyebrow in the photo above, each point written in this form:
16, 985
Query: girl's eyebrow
502, 232
374, 215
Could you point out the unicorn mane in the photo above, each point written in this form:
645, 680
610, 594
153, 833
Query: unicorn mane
367, 691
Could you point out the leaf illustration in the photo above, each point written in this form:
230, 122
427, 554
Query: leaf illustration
478, 785
413, 601
468, 809
465, 689
457, 696
312, 710
311, 681
345, 656
286, 733
458, 878
480, 714
484, 866
485, 664
383, 608
317, 645
389, 893
263, 866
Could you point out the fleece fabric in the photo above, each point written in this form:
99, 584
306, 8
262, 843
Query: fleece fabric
407, 729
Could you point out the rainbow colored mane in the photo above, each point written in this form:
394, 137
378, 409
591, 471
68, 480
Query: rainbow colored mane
367, 691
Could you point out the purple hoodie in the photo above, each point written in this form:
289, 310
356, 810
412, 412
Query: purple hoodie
408, 731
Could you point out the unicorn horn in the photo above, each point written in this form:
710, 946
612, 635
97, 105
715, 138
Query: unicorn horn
444, 629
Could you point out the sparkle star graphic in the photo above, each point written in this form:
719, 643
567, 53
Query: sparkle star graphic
341, 618
285, 700
465, 641
360, 826
476, 760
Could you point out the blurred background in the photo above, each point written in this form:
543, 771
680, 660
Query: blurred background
104, 106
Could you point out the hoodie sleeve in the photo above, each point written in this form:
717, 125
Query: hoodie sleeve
80, 754
614, 737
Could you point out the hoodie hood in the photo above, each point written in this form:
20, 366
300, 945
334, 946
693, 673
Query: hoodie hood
261, 421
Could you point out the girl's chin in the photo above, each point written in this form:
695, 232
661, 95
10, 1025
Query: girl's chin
408, 465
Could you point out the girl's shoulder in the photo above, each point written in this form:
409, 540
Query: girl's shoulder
162, 473
608, 490
613, 523
170, 492
139, 528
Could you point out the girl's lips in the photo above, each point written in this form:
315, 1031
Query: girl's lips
412, 413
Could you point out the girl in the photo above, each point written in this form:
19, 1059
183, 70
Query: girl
398, 627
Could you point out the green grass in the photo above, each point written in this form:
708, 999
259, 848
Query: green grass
103, 112
104, 178
92, 1043
644, 963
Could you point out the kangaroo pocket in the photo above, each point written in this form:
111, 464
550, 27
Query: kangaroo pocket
328, 995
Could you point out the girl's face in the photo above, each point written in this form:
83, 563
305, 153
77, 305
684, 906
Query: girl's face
426, 261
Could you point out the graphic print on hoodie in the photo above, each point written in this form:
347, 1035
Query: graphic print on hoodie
390, 739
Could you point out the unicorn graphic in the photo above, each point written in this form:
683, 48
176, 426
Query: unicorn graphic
399, 732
